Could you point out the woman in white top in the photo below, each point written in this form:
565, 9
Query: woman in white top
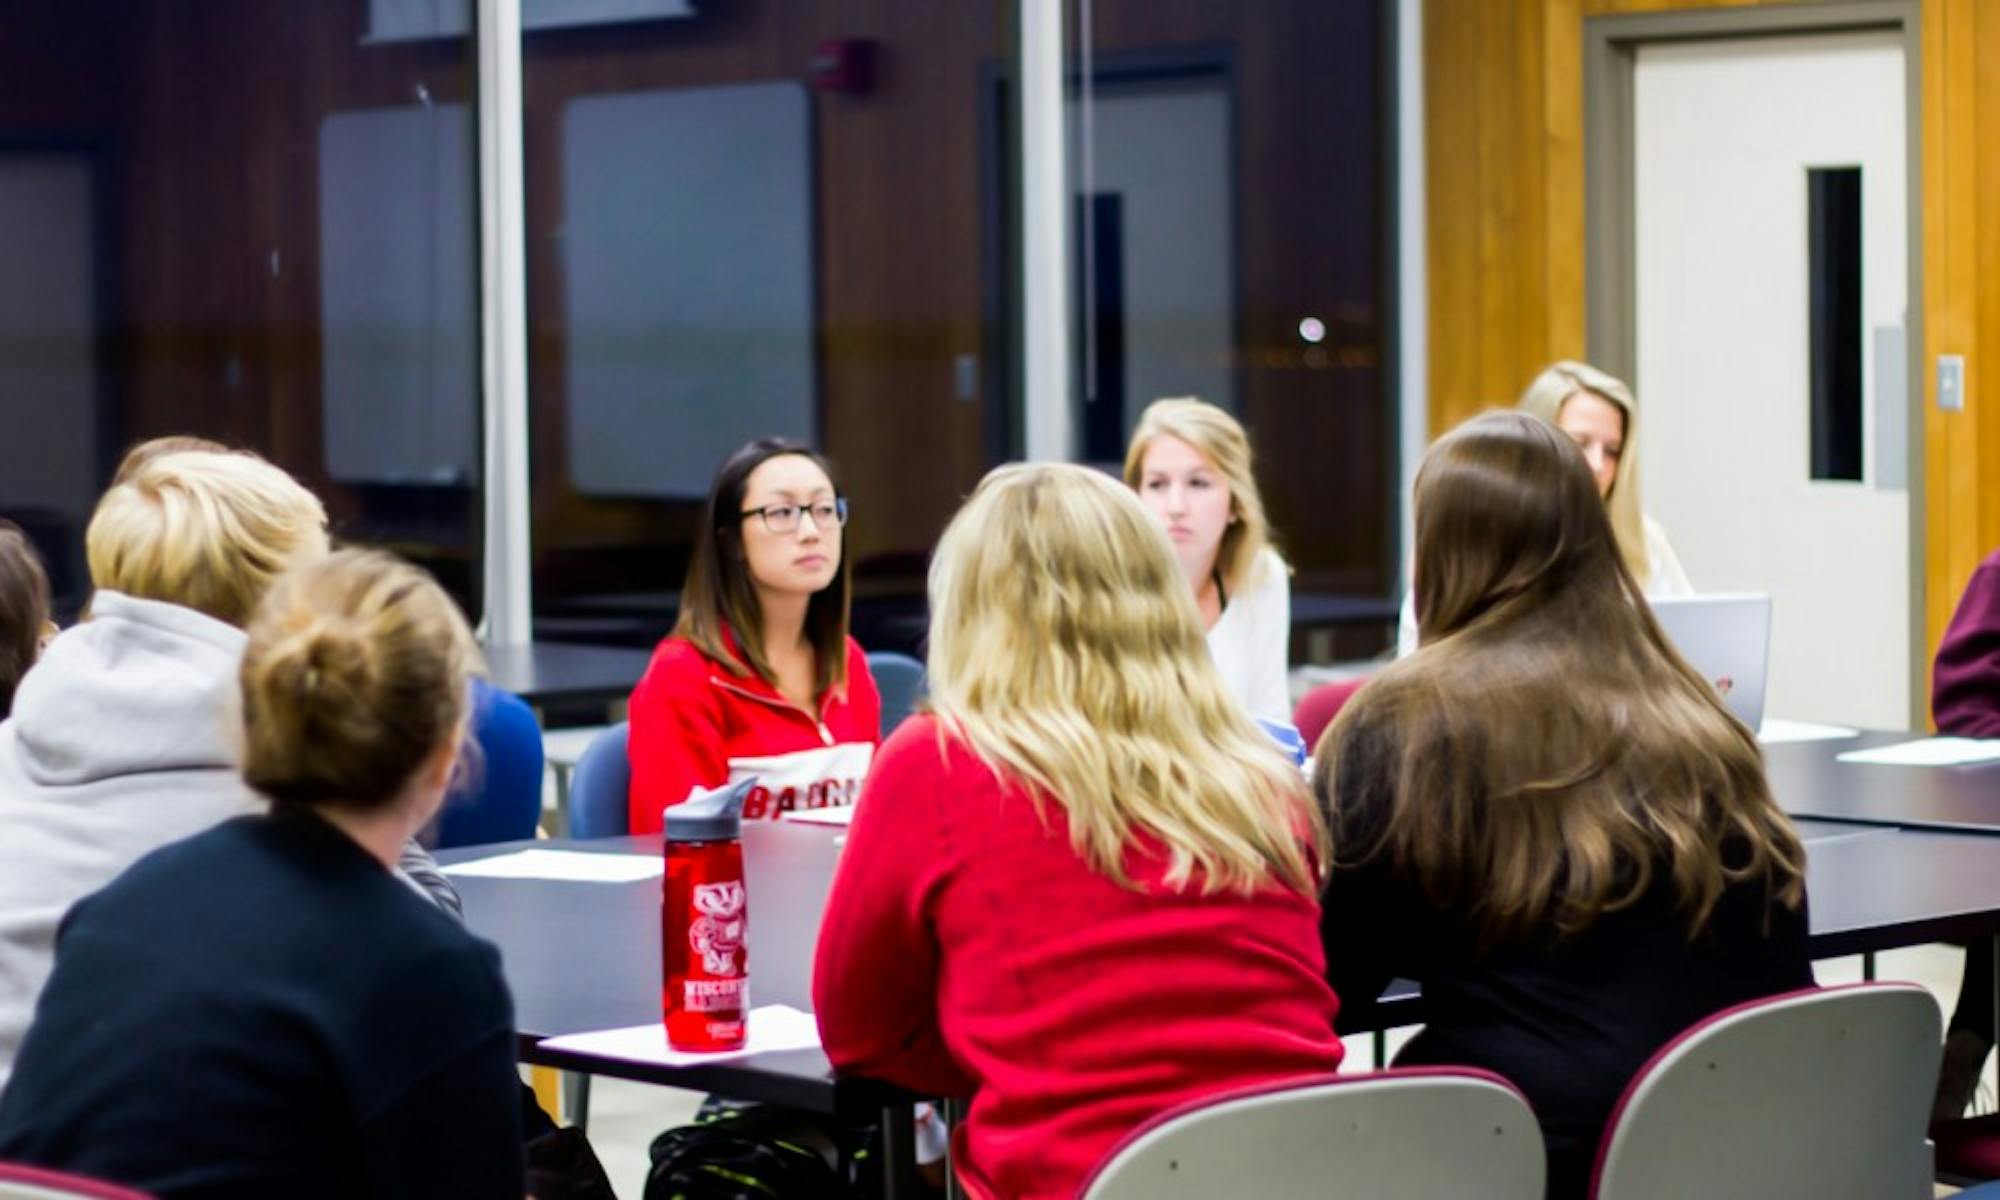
1599, 414
1190, 462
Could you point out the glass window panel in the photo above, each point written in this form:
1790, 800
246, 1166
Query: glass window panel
1231, 241
757, 219
249, 222
1833, 196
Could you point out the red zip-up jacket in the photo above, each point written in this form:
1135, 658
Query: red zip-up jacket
696, 723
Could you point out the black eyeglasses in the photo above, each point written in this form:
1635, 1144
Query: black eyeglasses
784, 518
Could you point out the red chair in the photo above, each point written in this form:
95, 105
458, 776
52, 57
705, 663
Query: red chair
40, 1183
1968, 1150
1321, 705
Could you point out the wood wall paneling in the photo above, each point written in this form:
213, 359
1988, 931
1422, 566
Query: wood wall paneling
1504, 168
1504, 172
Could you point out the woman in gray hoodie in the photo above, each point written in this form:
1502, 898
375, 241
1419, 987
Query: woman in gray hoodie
126, 734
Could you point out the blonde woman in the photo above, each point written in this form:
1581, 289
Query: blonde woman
124, 736
1544, 815
1081, 889
1597, 411
1599, 414
264, 1009
1190, 462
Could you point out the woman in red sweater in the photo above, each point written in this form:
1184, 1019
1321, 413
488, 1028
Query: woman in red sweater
1081, 891
759, 676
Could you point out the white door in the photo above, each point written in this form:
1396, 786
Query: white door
1725, 136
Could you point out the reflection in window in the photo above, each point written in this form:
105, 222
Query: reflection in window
267, 240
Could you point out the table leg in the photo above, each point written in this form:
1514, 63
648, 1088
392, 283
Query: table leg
1994, 1029
899, 1152
561, 823
576, 1099
954, 1112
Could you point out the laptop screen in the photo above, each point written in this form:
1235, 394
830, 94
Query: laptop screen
1727, 639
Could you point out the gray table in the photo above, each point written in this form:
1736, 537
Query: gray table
582, 956
1868, 889
544, 673
1808, 780
585, 956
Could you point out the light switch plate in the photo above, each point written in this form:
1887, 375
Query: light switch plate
1951, 382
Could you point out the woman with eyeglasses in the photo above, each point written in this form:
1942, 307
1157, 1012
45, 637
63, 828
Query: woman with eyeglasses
759, 676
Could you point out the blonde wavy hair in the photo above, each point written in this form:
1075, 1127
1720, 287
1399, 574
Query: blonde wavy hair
356, 671
1066, 652
1545, 397
1221, 440
203, 530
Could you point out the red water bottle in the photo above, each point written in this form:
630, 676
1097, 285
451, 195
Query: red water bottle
705, 988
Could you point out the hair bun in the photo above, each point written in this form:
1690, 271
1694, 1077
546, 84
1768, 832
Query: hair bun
354, 674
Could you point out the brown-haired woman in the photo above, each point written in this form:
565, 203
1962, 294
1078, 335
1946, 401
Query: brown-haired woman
1545, 816
24, 610
264, 1008
759, 676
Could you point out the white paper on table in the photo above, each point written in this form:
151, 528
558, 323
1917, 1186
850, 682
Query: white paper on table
773, 1027
842, 815
1777, 729
570, 865
1930, 752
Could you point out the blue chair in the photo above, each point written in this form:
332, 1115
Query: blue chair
501, 799
900, 680
600, 791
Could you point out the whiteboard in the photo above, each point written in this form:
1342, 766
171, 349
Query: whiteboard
687, 280
48, 351
399, 301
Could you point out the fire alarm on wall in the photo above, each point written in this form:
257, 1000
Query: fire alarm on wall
844, 65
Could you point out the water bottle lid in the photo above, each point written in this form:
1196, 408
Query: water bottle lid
709, 814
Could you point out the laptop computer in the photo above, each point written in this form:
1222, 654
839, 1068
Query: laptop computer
1727, 639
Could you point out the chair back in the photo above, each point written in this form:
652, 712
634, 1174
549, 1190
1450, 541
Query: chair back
600, 791
1318, 708
501, 799
1392, 1135
19, 1182
1823, 1092
900, 680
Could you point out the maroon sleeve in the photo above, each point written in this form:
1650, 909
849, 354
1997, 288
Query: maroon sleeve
676, 739
1965, 679
875, 975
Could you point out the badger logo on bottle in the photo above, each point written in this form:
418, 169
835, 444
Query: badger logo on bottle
717, 935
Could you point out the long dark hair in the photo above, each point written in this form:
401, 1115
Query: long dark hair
1546, 751
24, 609
719, 598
